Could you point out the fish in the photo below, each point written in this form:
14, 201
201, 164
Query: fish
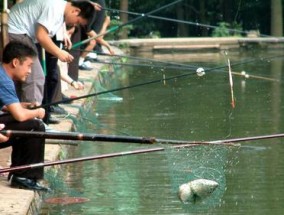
196, 190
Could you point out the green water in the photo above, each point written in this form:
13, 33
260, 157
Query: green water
250, 176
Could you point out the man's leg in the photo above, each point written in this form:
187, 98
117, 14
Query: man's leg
25, 150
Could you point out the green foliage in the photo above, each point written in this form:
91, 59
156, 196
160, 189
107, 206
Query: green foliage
224, 29
221, 30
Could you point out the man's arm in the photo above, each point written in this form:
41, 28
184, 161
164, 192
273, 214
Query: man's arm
22, 114
47, 43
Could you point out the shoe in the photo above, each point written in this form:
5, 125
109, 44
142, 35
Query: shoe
66, 99
92, 57
55, 109
52, 120
26, 183
92, 60
49, 129
85, 66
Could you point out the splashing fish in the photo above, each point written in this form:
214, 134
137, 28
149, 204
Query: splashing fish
196, 190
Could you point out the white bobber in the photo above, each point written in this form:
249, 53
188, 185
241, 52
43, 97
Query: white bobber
200, 71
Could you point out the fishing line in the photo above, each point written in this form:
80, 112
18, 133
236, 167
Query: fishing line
156, 81
147, 65
141, 16
174, 65
147, 60
184, 22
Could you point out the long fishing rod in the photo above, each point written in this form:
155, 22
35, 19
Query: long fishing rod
141, 16
184, 67
139, 151
148, 65
152, 61
164, 65
152, 82
87, 158
125, 139
183, 22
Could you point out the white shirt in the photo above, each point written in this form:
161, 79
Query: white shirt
25, 16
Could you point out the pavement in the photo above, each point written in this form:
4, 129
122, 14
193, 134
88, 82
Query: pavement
26, 202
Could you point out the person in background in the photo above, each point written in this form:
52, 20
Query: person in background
36, 22
98, 27
18, 59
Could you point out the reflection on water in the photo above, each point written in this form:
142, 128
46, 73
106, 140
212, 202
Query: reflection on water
191, 108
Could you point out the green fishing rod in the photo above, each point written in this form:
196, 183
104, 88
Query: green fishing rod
142, 15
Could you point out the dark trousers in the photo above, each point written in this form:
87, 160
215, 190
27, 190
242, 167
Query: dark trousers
73, 68
52, 79
25, 151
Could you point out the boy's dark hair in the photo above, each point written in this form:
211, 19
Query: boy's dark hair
16, 49
88, 10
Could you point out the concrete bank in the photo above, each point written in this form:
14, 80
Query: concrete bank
26, 202
200, 44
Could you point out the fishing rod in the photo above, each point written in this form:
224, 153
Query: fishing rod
87, 158
141, 16
126, 139
173, 65
183, 21
89, 137
152, 82
137, 58
139, 151
185, 67
148, 65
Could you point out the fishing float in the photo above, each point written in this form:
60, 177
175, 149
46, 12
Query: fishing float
231, 85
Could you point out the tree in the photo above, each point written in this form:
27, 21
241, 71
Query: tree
124, 18
276, 18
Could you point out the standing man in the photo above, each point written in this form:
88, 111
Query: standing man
37, 21
18, 59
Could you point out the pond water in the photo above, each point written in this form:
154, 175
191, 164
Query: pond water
250, 175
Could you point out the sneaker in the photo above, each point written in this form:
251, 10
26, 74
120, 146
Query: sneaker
55, 109
49, 129
85, 66
52, 120
66, 99
92, 55
26, 183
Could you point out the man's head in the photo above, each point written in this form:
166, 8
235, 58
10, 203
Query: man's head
79, 12
18, 59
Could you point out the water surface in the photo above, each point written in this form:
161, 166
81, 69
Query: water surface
190, 108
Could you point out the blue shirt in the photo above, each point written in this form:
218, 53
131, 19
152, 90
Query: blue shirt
8, 93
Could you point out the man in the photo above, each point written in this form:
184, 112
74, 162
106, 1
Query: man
36, 22
17, 62
99, 26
